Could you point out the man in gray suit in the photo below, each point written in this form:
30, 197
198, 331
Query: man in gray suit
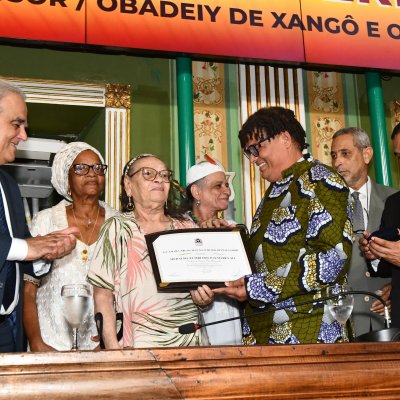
351, 154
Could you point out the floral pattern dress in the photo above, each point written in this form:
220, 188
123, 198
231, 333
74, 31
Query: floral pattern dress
121, 263
301, 241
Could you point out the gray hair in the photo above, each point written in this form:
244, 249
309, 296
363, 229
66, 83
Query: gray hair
360, 137
200, 182
7, 88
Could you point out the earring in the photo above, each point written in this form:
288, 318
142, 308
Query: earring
197, 203
130, 206
69, 191
166, 206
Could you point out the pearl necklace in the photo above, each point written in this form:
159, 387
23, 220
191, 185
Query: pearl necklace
85, 251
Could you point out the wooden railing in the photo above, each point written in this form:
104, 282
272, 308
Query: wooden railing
358, 371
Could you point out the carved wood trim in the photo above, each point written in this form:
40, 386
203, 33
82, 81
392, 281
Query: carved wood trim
354, 371
118, 96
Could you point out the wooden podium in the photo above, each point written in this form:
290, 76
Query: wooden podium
356, 370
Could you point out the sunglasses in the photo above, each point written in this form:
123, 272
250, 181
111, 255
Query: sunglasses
149, 174
83, 169
252, 150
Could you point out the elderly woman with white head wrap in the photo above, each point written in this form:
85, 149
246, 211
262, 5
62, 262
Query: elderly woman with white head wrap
78, 175
208, 193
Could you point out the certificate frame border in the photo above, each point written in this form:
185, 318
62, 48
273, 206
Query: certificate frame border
186, 286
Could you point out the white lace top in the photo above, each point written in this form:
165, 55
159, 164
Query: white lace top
70, 269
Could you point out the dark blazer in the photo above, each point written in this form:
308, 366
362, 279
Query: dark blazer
20, 230
361, 275
391, 219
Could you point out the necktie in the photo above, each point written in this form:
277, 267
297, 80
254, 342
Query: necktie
358, 214
9, 266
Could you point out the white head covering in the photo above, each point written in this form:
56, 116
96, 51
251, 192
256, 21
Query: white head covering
201, 170
62, 163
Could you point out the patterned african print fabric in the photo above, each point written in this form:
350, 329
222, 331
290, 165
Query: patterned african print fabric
301, 243
122, 264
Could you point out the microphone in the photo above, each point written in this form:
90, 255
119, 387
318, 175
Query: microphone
99, 325
386, 317
194, 327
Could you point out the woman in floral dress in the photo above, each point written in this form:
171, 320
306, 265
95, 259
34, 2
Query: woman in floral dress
121, 272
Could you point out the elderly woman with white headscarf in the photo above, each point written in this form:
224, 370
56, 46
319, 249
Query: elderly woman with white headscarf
78, 175
208, 193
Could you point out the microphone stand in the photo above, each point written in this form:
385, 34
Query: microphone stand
387, 319
192, 327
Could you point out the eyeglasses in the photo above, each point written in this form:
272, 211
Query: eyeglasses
83, 169
253, 148
150, 174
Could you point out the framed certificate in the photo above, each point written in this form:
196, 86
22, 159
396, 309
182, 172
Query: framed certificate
183, 259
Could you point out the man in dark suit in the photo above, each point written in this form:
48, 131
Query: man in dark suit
16, 245
388, 252
351, 154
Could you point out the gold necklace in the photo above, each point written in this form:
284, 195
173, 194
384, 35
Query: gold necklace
171, 224
85, 251
90, 221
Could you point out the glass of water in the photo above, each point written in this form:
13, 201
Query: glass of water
75, 307
340, 305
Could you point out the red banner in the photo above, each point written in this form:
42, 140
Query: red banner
362, 33
359, 33
49, 20
234, 28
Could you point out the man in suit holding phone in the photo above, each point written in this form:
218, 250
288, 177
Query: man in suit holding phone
17, 248
351, 154
387, 252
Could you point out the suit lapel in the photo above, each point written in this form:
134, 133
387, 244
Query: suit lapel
375, 208
10, 202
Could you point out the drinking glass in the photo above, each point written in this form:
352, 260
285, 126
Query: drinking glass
341, 305
75, 307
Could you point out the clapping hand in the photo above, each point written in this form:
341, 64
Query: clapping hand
54, 245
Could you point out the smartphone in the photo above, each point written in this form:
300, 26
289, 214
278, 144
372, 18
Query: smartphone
390, 234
